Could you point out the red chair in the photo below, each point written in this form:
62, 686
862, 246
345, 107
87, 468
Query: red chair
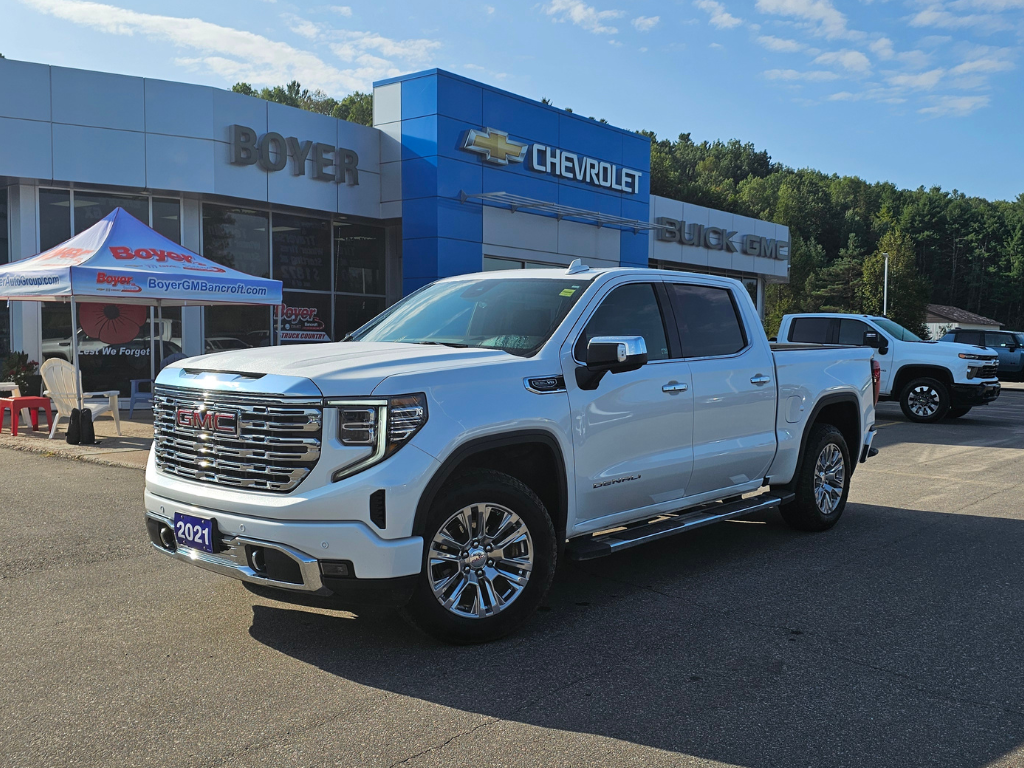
33, 404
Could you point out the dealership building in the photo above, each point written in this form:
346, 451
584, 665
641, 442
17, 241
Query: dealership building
454, 177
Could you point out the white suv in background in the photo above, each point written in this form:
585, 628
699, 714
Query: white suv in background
932, 381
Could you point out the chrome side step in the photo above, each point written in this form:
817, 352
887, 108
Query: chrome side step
669, 524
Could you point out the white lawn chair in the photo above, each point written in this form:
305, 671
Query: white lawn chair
59, 385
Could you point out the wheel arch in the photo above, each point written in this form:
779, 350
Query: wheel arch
841, 410
533, 457
908, 373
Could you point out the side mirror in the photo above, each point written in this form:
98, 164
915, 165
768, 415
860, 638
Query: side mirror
611, 354
875, 340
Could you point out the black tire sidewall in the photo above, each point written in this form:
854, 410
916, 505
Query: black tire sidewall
803, 512
485, 486
938, 386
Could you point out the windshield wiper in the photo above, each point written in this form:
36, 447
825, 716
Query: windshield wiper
443, 344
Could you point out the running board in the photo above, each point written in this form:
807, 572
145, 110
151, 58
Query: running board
669, 524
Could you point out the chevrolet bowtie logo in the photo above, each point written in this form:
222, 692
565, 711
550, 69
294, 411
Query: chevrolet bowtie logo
495, 146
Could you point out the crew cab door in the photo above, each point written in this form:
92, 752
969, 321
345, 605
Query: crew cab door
734, 388
631, 435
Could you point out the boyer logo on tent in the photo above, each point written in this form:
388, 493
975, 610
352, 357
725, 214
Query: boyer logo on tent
108, 283
187, 260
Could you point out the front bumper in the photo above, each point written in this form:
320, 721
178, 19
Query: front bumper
969, 395
286, 559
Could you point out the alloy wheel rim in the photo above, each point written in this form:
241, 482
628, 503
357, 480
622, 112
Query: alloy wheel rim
829, 479
923, 401
480, 560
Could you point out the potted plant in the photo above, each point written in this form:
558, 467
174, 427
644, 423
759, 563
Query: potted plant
18, 368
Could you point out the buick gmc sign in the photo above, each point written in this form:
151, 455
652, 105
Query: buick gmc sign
720, 239
272, 151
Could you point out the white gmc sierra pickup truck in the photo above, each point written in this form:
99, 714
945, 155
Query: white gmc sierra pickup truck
450, 451
930, 380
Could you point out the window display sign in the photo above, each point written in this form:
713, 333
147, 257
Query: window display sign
306, 317
302, 252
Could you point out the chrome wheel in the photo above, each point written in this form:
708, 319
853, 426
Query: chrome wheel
829, 478
480, 560
923, 401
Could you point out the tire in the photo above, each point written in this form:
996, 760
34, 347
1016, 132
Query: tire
924, 400
956, 413
811, 510
446, 602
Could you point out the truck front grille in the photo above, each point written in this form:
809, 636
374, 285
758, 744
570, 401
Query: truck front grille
988, 371
256, 442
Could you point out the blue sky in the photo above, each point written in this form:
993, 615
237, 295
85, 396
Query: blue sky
917, 92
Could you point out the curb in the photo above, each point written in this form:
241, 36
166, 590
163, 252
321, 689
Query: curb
87, 458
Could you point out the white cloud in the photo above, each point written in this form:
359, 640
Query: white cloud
780, 44
955, 106
484, 70
982, 66
643, 50
792, 74
850, 60
995, 6
715, 45
583, 15
923, 81
842, 96
821, 15
236, 54
615, 43
882, 48
646, 23
344, 10
303, 27
489, 9
937, 16
719, 16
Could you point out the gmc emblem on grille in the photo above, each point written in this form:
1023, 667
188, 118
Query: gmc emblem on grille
221, 422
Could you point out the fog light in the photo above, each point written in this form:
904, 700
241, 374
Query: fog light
339, 569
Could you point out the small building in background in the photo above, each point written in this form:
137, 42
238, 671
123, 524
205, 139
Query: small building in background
941, 318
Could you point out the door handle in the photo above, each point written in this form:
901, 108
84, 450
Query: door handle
760, 379
672, 387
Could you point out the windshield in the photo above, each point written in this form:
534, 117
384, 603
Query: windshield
895, 329
516, 315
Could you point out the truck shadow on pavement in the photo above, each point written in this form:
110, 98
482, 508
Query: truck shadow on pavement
893, 639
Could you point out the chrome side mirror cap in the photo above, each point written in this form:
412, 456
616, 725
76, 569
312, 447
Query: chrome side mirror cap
611, 354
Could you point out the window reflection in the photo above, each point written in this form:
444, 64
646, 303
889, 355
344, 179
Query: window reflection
237, 238
237, 327
54, 217
90, 207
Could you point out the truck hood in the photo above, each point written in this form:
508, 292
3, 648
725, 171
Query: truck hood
339, 369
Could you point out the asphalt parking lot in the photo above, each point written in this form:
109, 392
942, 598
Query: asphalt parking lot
893, 640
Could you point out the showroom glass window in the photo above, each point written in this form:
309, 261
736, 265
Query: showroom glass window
90, 207
5, 313
302, 262
238, 238
359, 275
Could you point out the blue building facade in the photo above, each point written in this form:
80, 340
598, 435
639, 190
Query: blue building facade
431, 170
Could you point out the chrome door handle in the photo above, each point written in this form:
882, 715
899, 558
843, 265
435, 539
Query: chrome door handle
673, 387
760, 379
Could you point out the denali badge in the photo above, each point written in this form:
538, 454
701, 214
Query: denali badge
616, 482
221, 422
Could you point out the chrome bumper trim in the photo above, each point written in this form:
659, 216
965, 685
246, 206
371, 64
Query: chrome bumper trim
865, 452
231, 560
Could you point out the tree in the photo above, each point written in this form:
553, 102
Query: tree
357, 107
908, 293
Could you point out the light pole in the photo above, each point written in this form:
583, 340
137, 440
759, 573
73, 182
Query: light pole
885, 288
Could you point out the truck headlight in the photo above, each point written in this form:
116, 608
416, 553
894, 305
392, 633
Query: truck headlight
384, 424
969, 356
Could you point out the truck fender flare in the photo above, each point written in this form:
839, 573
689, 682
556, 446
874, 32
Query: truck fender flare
488, 443
826, 400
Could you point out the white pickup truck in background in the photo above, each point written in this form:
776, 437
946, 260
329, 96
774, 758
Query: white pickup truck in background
930, 380
462, 442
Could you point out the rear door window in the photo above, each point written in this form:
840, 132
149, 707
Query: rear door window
852, 332
629, 310
708, 320
811, 330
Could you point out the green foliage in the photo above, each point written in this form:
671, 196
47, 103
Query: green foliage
968, 252
17, 367
907, 290
356, 107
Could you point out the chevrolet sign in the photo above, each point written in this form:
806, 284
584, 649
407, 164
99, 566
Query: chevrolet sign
496, 147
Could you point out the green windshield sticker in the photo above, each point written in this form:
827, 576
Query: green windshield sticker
568, 292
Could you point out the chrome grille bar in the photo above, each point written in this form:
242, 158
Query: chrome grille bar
273, 445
